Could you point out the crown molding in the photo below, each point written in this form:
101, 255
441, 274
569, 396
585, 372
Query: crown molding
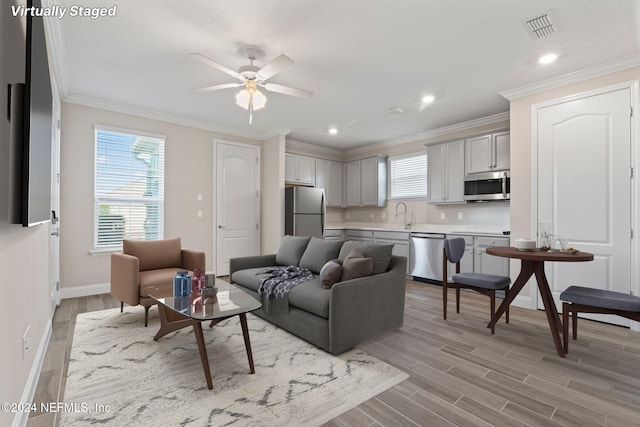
574, 77
57, 57
275, 131
156, 115
292, 144
459, 127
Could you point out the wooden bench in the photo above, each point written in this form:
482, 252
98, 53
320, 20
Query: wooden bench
578, 299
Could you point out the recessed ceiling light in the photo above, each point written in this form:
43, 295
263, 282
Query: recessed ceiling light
427, 99
333, 131
548, 58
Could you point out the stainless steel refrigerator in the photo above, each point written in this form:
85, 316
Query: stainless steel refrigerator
304, 211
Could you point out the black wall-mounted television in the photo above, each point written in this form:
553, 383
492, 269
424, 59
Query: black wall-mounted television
31, 106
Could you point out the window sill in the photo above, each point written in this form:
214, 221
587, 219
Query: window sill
105, 251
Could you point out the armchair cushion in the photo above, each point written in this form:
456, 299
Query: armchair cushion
155, 254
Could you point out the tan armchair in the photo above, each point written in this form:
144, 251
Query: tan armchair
145, 264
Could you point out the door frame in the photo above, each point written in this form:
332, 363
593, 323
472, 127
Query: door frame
216, 144
633, 86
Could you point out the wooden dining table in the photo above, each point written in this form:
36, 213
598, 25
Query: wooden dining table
532, 262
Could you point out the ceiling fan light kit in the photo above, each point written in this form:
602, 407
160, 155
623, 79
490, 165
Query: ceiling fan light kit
250, 98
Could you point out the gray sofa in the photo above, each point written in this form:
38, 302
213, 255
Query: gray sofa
338, 318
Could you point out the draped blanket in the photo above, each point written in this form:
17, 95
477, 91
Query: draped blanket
277, 283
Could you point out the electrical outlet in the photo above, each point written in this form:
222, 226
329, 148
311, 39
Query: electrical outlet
384, 215
199, 213
442, 215
199, 197
459, 215
26, 341
347, 215
373, 215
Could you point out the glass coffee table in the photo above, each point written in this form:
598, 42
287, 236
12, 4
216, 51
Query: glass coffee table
181, 312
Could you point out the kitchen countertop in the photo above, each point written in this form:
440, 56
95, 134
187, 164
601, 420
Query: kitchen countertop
476, 230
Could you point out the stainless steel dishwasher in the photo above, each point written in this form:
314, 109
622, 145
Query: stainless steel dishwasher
425, 256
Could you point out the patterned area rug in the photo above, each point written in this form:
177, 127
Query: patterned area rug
119, 376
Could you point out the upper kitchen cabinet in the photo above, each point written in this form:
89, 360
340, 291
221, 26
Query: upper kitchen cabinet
367, 182
329, 177
445, 172
488, 153
299, 169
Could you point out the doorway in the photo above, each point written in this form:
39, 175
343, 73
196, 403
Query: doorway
237, 184
583, 185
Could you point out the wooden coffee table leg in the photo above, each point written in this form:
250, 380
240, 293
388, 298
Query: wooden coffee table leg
197, 329
247, 343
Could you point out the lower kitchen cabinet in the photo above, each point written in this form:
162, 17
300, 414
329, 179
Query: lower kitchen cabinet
477, 260
359, 235
399, 239
332, 234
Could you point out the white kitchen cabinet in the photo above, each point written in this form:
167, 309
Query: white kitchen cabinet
299, 169
332, 234
487, 153
329, 177
476, 259
445, 170
367, 182
490, 264
359, 235
399, 240
353, 183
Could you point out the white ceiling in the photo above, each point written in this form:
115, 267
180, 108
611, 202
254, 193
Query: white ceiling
359, 57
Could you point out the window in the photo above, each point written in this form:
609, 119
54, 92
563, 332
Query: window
129, 187
408, 176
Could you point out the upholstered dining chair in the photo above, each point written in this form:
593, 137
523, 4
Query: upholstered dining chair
579, 299
486, 284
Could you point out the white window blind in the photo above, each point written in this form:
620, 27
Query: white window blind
408, 176
129, 187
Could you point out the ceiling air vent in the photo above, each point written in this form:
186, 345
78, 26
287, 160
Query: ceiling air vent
541, 26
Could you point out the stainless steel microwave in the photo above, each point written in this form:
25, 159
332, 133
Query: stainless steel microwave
487, 186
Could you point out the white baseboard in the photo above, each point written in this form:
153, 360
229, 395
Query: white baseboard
85, 290
21, 417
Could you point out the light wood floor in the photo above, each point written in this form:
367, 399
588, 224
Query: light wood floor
459, 373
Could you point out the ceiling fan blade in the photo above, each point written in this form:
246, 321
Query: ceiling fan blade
214, 64
218, 87
274, 67
300, 93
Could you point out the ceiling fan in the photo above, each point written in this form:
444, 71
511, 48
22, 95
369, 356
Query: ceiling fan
252, 77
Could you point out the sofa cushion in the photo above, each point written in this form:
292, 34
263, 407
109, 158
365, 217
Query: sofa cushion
155, 254
381, 254
330, 273
318, 252
291, 250
308, 296
355, 266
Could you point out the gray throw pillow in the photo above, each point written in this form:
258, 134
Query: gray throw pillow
381, 254
291, 250
355, 266
330, 273
318, 252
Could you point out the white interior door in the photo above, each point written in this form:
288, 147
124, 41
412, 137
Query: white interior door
237, 203
54, 259
584, 189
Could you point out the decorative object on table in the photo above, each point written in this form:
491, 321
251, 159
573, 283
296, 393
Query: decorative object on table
525, 244
209, 295
309, 389
198, 281
182, 284
545, 238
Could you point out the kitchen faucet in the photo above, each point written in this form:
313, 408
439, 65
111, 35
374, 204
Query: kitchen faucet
407, 224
